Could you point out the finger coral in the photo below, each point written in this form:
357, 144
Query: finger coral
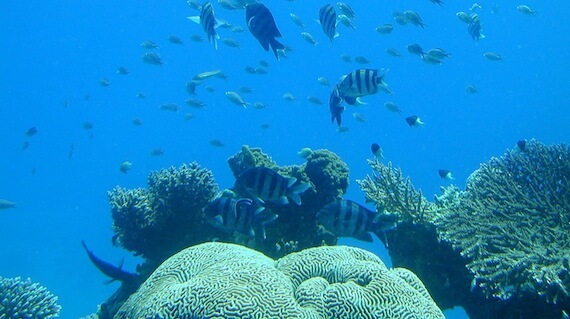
168, 216
24, 299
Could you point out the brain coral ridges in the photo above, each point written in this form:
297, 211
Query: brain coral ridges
217, 280
24, 299
499, 248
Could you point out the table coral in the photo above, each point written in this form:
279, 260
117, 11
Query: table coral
499, 248
216, 280
24, 299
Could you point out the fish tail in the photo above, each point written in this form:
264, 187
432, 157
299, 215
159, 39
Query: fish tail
276, 45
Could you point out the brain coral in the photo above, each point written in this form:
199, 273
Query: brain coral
217, 280
24, 299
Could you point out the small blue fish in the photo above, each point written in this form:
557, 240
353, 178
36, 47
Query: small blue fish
335, 106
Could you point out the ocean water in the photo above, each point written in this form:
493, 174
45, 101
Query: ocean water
54, 55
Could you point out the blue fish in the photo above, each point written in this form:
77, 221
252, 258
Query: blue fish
209, 23
114, 272
345, 218
262, 26
335, 106
327, 18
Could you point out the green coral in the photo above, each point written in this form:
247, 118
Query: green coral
502, 243
249, 157
24, 299
296, 227
512, 224
167, 217
216, 280
329, 175
394, 194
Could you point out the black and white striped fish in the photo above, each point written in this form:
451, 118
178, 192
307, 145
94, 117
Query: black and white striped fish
327, 18
474, 28
345, 218
238, 215
335, 106
264, 184
209, 23
262, 26
360, 83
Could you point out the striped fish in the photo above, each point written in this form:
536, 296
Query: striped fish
327, 18
345, 218
262, 26
474, 28
335, 106
209, 23
360, 83
238, 215
264, 184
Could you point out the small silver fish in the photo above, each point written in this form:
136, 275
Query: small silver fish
236, 99
309, 38
4, 204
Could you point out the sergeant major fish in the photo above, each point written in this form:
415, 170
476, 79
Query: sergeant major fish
361, 82
335, 106
230, 215
264, 184
208, 21
327, 18
345, 218
474, 28
262, 26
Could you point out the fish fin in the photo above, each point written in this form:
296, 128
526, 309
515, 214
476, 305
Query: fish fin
336, 35
276, 45
336, 117
120, 267
296, 191
110, 281
195, 19
291, 181
350, 100
283, 200
365, 237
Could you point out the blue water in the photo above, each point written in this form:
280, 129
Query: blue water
53, 54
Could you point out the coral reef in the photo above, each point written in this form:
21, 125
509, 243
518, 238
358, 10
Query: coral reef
166, 218
296, 227
504, 240
217, 280
24, 299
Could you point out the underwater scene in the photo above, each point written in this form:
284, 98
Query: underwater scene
285, 159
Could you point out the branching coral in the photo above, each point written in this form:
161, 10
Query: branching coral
218, 280
24, 299
513, 224
502, 243
167, 217
394, 194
